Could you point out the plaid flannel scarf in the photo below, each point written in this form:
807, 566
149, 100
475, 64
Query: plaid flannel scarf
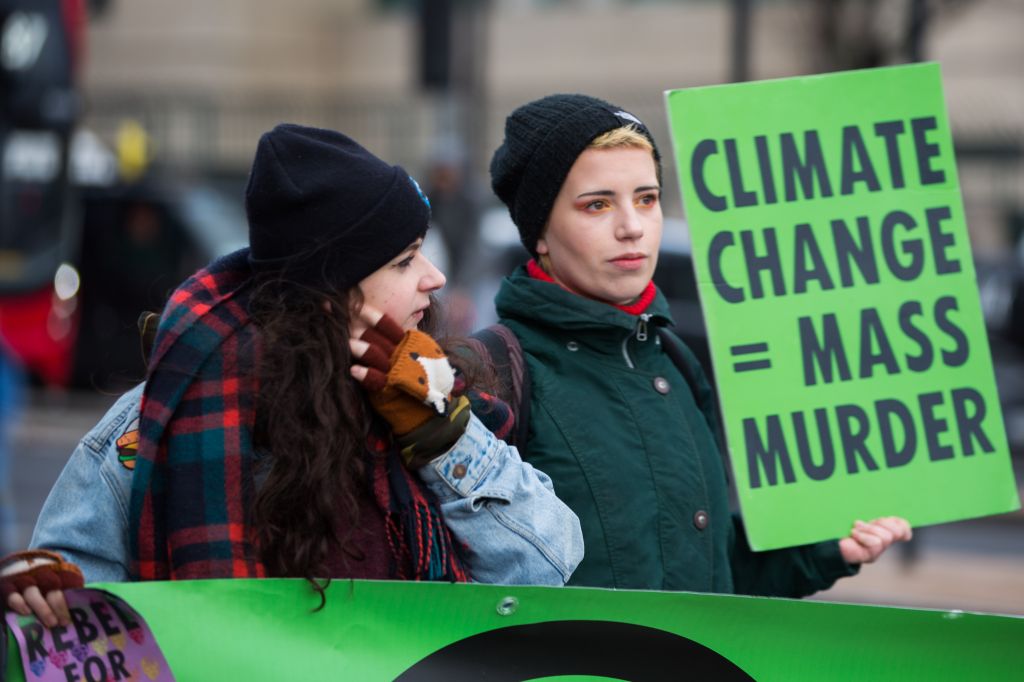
194, 480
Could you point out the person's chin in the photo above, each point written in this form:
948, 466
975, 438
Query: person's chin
614, 288
621, 295
632, 284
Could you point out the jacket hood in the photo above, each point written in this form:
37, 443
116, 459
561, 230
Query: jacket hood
522, 297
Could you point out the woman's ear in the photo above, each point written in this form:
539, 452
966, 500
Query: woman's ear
542, 246
355, 301
544, 260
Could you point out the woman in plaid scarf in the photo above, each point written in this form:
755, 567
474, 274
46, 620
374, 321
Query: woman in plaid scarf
296, 421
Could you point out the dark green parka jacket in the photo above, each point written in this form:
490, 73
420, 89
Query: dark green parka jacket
616, 427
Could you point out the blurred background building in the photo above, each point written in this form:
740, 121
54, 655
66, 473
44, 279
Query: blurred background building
205, 79
133, 165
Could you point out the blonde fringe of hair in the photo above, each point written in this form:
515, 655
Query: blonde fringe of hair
626, 136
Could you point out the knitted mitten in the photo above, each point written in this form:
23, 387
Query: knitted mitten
46, 570
408, 377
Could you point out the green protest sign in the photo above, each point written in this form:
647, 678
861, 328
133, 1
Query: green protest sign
413, 632
839, 294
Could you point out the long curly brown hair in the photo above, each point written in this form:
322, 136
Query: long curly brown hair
312, 421
312, 425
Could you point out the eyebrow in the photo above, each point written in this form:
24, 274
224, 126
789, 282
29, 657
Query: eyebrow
609, 193
415, 246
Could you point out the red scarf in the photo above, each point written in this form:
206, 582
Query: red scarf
534, 270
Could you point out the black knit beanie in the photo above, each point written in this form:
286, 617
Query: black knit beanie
542, 141
324, 211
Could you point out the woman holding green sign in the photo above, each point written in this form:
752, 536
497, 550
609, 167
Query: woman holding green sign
297, 419
613, 419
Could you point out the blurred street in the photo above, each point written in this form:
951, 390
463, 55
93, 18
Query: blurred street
975, 565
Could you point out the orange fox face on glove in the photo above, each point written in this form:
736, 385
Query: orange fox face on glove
427, 366
408, 376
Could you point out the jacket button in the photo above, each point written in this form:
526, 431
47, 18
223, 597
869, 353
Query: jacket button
573, 346
661, 385
459, 471
700, 519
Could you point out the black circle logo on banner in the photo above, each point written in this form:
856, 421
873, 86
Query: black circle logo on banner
575, 647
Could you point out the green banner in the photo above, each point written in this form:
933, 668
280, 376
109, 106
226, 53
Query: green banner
267, 630
839, 294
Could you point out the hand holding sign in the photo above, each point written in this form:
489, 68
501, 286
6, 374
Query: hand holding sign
32, 582
867, 541
105, 639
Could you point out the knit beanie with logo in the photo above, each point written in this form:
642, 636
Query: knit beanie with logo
323, 210
542, 141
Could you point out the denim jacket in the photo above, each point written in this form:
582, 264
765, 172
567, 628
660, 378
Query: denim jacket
499, 507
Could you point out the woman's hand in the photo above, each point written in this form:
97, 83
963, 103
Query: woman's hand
364, 318
867, 541
33, 582
406, 373
368, 362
